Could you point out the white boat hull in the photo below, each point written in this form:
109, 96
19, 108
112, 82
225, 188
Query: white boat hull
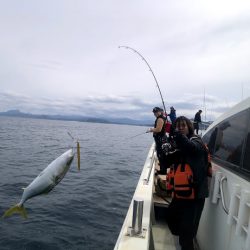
225, 221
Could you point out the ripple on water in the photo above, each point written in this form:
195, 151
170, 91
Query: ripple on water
86, 210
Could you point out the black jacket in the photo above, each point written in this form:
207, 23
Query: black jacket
197, 117
193, 152
160, 136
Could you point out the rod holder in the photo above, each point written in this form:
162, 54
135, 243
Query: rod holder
137, 216
136, 230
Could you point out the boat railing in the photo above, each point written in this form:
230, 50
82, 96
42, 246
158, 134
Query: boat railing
222, 180
218, 190
136, 230
152, 158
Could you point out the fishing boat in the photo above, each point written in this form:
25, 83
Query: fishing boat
225, 221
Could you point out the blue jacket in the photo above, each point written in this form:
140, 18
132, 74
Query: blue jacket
172, 116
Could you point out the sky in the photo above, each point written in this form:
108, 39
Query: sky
63, 56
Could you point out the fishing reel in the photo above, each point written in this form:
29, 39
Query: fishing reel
169, 147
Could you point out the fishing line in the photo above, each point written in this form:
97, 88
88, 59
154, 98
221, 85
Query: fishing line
150, 69
137, 135
70, 136
77, 150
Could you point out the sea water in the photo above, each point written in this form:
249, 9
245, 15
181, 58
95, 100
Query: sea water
87, 208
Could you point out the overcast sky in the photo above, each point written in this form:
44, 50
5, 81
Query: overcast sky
62, 56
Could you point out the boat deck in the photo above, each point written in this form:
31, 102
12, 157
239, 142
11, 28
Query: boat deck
154, 234
162, 237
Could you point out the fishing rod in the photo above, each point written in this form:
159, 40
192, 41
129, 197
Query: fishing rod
138, 135
150, 69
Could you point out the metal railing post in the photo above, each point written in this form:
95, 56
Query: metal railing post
137, 216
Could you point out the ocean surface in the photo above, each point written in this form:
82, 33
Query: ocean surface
87, 208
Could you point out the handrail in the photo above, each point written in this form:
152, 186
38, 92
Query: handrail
127, 239
224, 178
146, 180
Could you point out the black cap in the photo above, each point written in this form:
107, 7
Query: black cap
157, 109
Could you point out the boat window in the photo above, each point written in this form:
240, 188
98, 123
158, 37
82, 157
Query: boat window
226, 140
230, 138
246, 161
209, 139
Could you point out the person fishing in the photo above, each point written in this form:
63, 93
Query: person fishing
197, 120
159, 134
191, 159
172, 114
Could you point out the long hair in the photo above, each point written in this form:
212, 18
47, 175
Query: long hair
183, 119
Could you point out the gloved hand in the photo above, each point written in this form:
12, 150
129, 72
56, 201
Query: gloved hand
177, 135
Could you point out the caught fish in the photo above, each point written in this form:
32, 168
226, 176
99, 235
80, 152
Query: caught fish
45, 181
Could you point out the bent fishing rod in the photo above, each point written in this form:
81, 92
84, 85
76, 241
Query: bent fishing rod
150, 69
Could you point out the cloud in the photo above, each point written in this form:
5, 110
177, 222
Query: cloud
60, 57
109, 106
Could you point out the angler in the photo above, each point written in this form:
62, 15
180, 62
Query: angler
45, 181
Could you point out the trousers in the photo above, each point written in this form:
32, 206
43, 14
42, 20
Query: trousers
183, 217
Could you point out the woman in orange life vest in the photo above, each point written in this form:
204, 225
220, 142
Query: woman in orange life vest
159, 134
184, 212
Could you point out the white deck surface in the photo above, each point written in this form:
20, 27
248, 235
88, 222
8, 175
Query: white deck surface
158, 236
163, 239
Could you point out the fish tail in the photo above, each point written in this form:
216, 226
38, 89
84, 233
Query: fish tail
78, 155
16, 209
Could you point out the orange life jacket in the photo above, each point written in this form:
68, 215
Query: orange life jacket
180, 182
184, 182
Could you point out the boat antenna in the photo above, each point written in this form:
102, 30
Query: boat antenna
150, 69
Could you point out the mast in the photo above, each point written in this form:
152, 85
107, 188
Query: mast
204, 104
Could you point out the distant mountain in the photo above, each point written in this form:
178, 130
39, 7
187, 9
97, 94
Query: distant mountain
18, 113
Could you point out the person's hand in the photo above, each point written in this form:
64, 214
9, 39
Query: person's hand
178, 137
177, 134
149, 130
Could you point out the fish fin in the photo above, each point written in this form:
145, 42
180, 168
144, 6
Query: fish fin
78, 155
16, 209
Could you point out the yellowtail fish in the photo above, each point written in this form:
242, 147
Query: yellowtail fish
45, 181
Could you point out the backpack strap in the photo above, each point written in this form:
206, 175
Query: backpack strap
207, 155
